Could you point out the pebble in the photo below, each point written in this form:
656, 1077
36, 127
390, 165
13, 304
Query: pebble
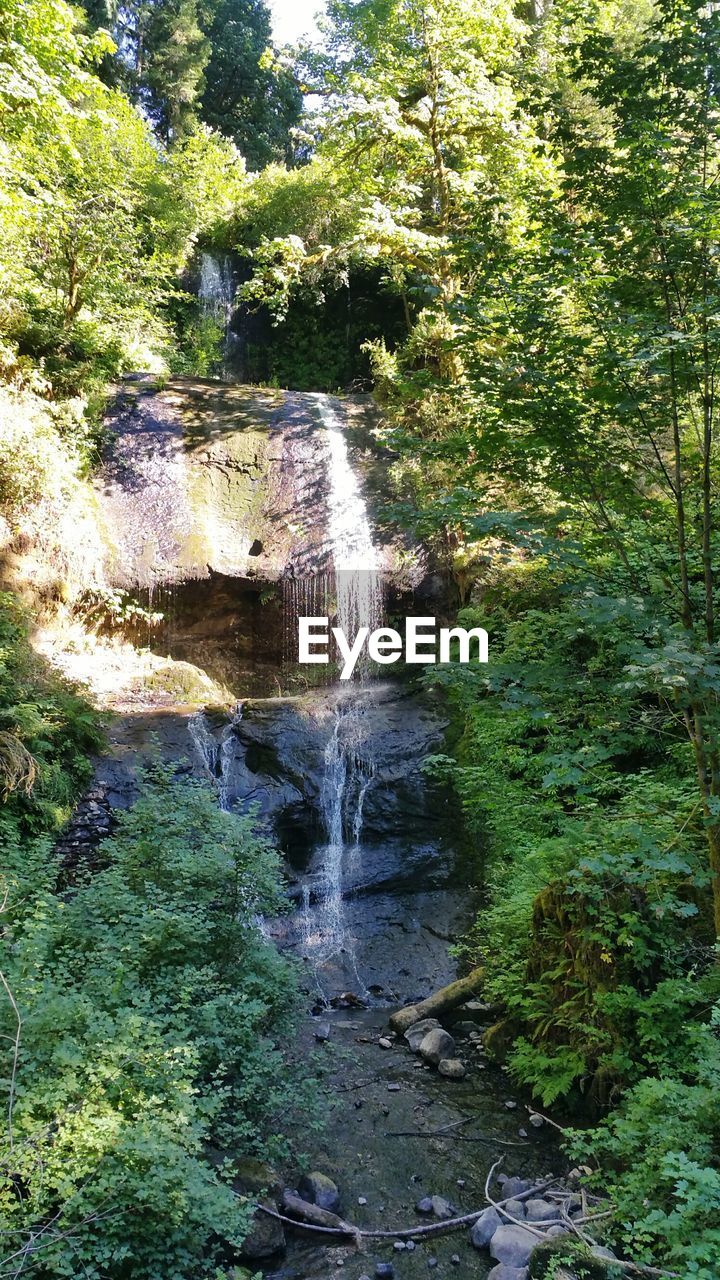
385, 1043
455, 1259
399, 1246
410, 1246
522, 1133
393, 1088
384, 1271
424, 1206
510, 1106
432, 1262
460, 1182
536, 1121
362, 1199
322, 1031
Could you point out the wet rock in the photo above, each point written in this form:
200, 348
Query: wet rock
451, 1068
515, 1208
464, 1028
416, 1034
322, 1032
503, 1272
436, 1045
513, 1245
483, 1230
318, 1189
540, 1210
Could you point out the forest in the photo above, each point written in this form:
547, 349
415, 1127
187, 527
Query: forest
500, 220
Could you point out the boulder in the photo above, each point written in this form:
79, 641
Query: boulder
503, 1272
540, 1210
318, 1189
602, 1251
515, 1187
452, 1068
484, 1228
266, 1236
513, 1245
436, 1045
416, 1034
514, 1208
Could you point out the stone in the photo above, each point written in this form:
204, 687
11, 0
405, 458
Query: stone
452, 1068
510, 1105
436, 1045
602, 1251
399, 1246
484, 1228
362, 1200
503, 1272
536, 1121
384, 1271
432, 1263
464, 1028
266, 1236
522, 1133
385, 1042
318, 1189
455, 1259
415, 1034
410, 1246
513, 1245
540, 1210
441, 1207
515, 1208
322, 1032
424, 1206
393, 1088
556, 1231
515, 1187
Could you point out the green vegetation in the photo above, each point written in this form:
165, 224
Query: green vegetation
509, 215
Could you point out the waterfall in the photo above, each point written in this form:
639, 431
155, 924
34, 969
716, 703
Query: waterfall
347, 769
216, 291
216, 753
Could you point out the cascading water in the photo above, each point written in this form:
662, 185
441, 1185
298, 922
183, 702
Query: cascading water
216, 291
348, 772
215, 752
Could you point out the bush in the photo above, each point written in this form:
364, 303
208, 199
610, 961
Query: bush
149, 1001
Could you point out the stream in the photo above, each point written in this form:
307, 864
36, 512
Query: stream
278, 488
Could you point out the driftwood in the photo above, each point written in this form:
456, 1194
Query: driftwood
302, 1212
442, 1001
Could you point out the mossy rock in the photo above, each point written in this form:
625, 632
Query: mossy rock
565, 1258
498, 1040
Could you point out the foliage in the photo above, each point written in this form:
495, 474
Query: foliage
148, 1001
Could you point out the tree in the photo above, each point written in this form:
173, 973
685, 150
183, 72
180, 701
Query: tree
250, 95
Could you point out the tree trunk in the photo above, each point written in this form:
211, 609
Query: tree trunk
441, 1002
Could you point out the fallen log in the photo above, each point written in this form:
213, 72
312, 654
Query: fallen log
303, 1212
447, 998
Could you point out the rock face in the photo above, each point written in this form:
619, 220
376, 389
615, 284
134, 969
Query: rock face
436, 1045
